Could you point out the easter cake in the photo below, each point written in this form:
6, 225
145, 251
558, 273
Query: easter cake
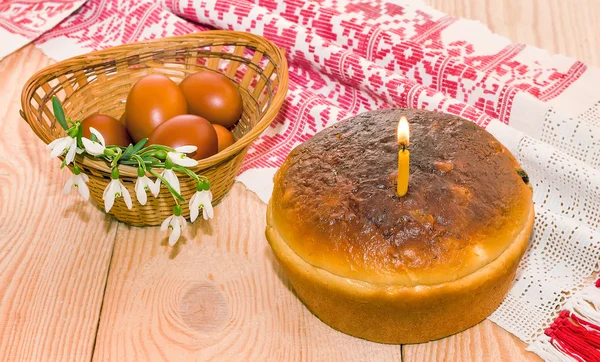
397, 269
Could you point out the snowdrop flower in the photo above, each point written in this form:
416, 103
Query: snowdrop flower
176, 223
61, 145
169, 175
94, 148
115, 189
179, 158
143, 184
202, 199
78, 180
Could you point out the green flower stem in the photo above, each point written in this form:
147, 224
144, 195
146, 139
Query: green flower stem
140, 162
186, 171
168, 163
161, 147
79, 134
73, 132
117, 156
134, 155
153, 148
175, 194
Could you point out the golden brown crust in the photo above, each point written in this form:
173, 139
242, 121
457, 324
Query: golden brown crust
395, 313
334, 200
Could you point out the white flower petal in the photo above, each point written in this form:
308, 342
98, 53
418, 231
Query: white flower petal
157, 186
51, 145
57, 151
98, 136
126, 196
154, 187
207, 211
107, 188
194, 200
182, 222
186, 149
93, 148
60, 146
172, 179
68, 185
185, 162
173, 156
71, 154
85, 177
181, 159
194, 210
165, 224
176, 233
109, 199
140, 191
84, 191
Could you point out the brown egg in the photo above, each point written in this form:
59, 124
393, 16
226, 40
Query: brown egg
212, 96
151, 101
225, 137
186, 130
123, 118
114, 132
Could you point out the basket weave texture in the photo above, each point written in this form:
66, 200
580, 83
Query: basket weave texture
99, 82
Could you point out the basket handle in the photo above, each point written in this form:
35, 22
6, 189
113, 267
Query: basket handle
22, 114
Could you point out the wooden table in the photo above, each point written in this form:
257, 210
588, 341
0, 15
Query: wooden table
77, 285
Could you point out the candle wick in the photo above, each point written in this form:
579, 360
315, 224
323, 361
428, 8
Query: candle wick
403, 146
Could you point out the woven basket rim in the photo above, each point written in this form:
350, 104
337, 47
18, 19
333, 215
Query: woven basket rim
267, 47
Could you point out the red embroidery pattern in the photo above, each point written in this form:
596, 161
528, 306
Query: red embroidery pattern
345, 57
31, 18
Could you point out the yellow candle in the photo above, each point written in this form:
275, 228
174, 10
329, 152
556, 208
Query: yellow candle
403, 157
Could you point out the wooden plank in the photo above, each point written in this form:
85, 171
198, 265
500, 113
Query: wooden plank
565, 27
54, 249
484, 342
196, 300
219, 295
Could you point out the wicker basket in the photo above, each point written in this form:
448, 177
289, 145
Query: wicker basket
99, 82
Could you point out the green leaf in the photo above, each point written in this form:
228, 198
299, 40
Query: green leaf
128, 152
138, 146
151, 160
79, 135
128, 163
59, 113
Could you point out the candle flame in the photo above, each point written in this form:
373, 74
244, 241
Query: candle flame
403, 132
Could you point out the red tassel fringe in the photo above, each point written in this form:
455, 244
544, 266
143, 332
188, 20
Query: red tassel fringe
575, 337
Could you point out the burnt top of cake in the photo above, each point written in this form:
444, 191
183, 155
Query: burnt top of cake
335, 201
